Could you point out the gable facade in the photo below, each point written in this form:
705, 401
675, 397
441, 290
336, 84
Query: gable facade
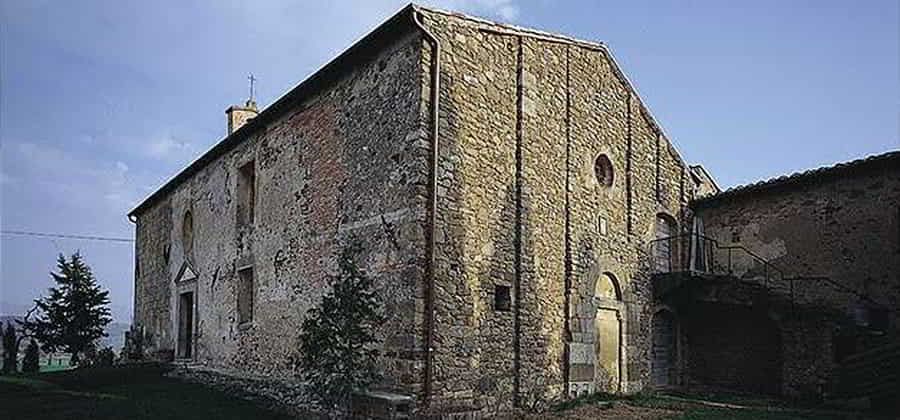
514, 267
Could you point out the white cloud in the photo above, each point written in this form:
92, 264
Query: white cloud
167, 147
506, 10
85, 183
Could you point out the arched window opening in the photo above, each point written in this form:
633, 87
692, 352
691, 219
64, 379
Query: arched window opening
187, 232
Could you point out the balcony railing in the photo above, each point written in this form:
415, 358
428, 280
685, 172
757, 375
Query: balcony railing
698, 254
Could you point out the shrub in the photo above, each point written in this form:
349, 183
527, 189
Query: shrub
337, 342
98, 358
134, 344
105, 357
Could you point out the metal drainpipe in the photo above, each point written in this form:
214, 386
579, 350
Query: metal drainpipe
429, 290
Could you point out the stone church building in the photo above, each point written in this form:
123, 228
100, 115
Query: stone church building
530, 227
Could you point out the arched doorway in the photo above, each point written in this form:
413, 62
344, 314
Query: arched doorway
664, 349
664, 250
608, 329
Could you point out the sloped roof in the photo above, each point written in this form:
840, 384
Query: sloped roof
369, 45
885, 160
700, 171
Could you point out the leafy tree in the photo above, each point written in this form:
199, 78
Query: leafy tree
10, 349
102, 357
31, 363
337, 341
75, 313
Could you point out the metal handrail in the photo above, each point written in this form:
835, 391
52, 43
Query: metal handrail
770, 271
756, 257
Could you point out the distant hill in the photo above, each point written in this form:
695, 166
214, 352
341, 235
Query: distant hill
9, 318
115, 332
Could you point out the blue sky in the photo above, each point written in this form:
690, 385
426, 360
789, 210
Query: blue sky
102, 101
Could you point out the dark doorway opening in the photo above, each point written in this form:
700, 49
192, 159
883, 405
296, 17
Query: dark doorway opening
664, 350
185, 325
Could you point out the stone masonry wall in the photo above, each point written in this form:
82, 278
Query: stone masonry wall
844, 227
523, 118
350, 162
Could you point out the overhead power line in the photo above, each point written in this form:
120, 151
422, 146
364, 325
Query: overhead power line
64, 236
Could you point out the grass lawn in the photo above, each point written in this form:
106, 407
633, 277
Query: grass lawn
145, 393
118, 393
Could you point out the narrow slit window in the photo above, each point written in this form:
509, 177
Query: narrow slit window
187, 232
246, 191
246, 292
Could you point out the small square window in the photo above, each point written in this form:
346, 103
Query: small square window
502, 298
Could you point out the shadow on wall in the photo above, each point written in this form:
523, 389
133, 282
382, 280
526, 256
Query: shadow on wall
732, 347
481, 245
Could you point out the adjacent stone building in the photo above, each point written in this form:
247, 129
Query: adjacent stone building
833, 235
507, 186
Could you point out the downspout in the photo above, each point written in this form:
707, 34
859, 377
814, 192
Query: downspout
430, 281
567, 281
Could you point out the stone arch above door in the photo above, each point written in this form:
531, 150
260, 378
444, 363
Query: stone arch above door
607, 287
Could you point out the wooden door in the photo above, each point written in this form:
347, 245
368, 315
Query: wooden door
607, 350
185, 325
662, 367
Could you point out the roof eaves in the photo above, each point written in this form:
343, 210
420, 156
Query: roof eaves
332, 70
797, 178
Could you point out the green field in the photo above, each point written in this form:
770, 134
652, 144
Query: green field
118, 393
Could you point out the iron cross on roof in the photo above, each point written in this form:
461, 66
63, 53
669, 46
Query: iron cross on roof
252, 83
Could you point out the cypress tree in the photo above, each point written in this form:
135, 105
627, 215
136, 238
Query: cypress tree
31, 362
10, 349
